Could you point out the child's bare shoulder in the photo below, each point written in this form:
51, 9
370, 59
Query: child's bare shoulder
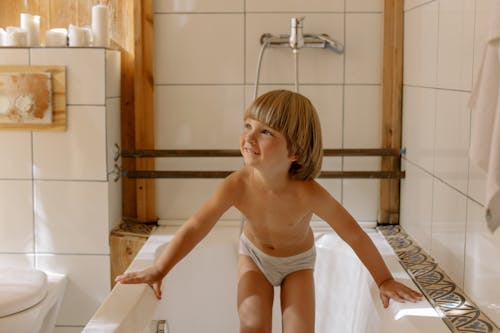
237, 180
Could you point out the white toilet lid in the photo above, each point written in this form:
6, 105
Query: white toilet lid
20, 289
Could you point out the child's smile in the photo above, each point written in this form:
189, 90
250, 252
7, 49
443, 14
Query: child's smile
263, 146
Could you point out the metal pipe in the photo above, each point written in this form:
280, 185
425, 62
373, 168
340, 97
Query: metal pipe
160, 153
148, 174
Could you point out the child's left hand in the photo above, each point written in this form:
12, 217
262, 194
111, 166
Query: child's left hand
398, 292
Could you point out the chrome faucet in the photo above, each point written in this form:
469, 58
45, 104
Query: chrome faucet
296, 40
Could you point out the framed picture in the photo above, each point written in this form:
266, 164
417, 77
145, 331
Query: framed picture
33, 97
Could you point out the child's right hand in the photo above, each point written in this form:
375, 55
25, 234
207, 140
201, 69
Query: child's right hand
152, 276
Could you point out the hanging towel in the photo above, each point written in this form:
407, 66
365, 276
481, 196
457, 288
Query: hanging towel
485, 135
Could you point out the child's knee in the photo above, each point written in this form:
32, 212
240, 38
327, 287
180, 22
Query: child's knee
254, 320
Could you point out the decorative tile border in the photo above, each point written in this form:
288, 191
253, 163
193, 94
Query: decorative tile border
460, 314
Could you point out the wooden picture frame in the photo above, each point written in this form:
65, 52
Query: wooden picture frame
58, 86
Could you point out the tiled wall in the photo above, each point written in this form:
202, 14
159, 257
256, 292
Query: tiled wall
443, 193
205, 68
57, 202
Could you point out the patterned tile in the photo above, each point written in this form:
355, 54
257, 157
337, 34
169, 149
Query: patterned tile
460, 314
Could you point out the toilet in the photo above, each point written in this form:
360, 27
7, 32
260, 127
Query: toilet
29, 300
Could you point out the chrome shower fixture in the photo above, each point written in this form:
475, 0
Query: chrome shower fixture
297, 39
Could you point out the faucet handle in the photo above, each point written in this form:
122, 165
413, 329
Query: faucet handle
297, 21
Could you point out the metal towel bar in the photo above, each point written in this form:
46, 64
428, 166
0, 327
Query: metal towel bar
160, 153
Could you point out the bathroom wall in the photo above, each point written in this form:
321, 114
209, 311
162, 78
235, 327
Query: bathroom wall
57, 198
443, 193
205, 68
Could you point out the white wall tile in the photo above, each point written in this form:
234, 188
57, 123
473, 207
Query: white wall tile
15, 146
24, 260
448, 230
363, 50
362, 117
364, 6
79, 153
362, 125
419, 107
71, 217
85, 71
162, 6
295, 6
452, 138
456, 41
16, 216
199, 117
200, 163
113, 70
416, 205
199, 48
409, 4
179, 199
361, 198
482, 250
88, 284
14, 56
113, 131
278, 66
420, 45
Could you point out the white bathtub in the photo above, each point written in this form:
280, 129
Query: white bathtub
199, 295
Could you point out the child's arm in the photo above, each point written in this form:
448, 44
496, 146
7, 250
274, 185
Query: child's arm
328, 209
187, 237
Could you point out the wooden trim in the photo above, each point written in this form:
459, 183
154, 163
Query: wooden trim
144, 104
146, 153
150, 174
129, 197
392, 85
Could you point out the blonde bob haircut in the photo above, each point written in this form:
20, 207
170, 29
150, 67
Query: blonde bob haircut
294, 116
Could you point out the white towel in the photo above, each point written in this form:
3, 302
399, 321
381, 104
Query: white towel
485, 135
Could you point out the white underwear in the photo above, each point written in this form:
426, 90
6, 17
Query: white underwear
276, 269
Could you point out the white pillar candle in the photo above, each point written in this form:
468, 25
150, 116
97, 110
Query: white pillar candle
79, 36
3, 36
31, 23
56, 37
16, 37
100, 25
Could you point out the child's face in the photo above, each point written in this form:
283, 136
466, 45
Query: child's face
264, 147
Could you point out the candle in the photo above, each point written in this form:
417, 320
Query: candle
16, 36
100, 25
79, 36
56, 37
3, 37
31, 23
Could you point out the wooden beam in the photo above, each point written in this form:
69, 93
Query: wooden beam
127, 101
392, 85
144, 105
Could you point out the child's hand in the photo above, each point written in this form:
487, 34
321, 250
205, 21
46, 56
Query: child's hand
152, 276
398, 292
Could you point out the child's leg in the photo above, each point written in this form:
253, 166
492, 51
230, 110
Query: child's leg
297, 302
255, 298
